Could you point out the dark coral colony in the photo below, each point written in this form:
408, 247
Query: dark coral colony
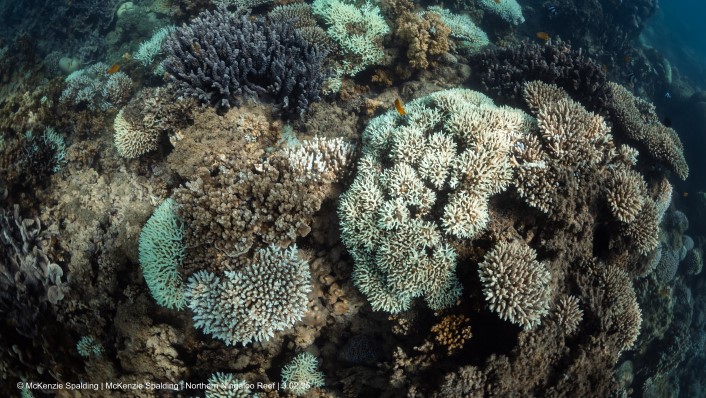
348, 198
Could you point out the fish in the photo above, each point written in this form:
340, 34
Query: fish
497, 1
543, 35
113, 69
196, 47
685, 194
627, 58
400, 107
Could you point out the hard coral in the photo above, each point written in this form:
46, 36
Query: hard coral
515, 284
446, 157
425, 36
637, 120
266, 296
220, 58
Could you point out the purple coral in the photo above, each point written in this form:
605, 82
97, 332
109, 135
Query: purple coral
220, 58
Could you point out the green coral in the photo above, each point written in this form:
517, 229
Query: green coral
87, 346
161, 254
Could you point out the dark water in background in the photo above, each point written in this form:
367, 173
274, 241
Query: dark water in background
678, 30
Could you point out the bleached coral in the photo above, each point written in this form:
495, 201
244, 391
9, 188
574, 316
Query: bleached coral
151, 48
225, 385
266, 296
94, 87
302, 374
358, 32
130, 141
451, 152
515, 284
509, 10
462, 27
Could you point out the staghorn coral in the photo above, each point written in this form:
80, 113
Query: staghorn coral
452, 332
515, 284
447, 156
637, 120
302, 374
268, 295
644, 230
221, 58
505, 71
96, 89
301, 17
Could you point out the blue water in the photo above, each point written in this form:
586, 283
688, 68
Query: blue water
678, 30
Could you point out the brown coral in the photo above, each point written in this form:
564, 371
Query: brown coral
425, 36
452, 332
626, 194
637, 120
568, 314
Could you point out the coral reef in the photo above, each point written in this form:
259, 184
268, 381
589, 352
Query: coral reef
515, 283
408, 166
221, 59
253, 303
504, 71
636, 119
302, 374
96, 88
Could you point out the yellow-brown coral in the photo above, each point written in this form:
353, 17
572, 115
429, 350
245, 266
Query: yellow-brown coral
425, 35
452, 332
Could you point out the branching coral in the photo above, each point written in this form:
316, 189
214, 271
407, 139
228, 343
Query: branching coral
302, 374
566, 166
272, 200
251, 304
357, 31
221, 58
508, 10
621, 315
504, 71
446, 157
637, 120
95, 88
471, 37
515, 284
568, 314
225, 385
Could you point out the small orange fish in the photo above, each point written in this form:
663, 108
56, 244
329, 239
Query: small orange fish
113, 69
685, 194
604, 68
196, 47
497, 1
627, 58
400, 107
543, 35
